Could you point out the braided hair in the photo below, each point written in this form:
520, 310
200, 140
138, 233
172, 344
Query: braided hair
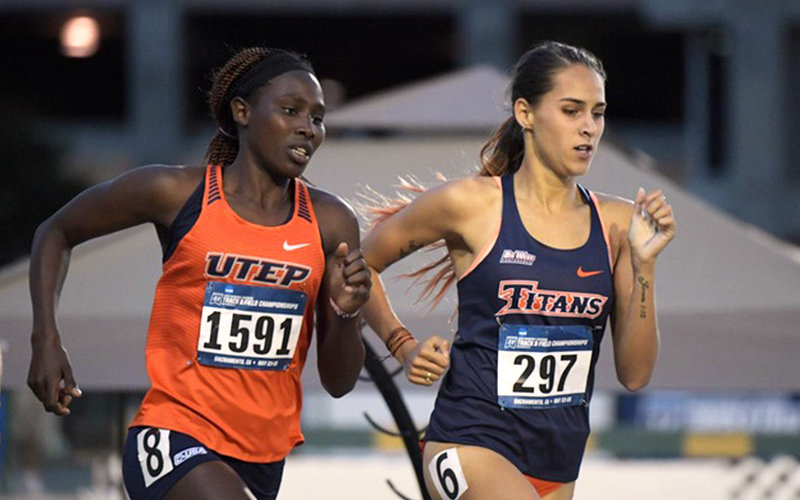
244, 73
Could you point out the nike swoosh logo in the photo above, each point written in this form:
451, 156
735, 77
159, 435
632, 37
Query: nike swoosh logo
289, 248
586, 274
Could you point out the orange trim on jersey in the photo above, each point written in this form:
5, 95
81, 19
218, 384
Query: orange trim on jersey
492, 239
603, 227
543, 487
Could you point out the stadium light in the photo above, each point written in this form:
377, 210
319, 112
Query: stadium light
80, 36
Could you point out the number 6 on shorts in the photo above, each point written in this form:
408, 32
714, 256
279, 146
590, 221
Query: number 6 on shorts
447, 475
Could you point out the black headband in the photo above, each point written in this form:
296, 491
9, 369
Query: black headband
265, 70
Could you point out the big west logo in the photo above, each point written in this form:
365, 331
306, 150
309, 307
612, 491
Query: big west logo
253, 270
525, 297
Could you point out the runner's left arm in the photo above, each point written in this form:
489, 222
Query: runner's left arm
649, 227
345, 288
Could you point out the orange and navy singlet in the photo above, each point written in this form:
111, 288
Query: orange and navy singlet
231, 324
530, 321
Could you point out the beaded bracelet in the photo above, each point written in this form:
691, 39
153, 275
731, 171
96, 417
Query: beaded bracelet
397, 338
341, 312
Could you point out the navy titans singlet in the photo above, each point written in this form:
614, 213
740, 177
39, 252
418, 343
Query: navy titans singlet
530, 321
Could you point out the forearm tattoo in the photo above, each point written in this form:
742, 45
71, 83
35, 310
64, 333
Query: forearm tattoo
643, 302
412, 247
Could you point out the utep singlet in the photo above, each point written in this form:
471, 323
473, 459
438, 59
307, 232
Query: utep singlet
530, 321
231, 324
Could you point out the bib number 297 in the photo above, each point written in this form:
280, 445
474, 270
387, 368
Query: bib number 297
546, 372
543, 366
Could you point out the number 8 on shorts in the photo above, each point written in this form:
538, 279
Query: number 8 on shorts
152, 447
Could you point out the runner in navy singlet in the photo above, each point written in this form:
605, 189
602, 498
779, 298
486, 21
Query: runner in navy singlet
541, 263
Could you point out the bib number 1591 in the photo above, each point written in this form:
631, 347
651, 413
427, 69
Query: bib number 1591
249, 327
243, 333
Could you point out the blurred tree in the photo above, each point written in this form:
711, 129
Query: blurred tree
33, 184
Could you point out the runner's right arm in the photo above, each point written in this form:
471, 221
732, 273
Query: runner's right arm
147, 194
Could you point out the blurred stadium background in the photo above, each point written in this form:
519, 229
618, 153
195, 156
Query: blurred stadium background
702, 101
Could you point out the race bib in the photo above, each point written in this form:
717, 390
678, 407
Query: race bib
543, 366
250, 327
153, 453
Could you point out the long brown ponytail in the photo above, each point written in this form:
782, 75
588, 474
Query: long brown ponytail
502, 154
